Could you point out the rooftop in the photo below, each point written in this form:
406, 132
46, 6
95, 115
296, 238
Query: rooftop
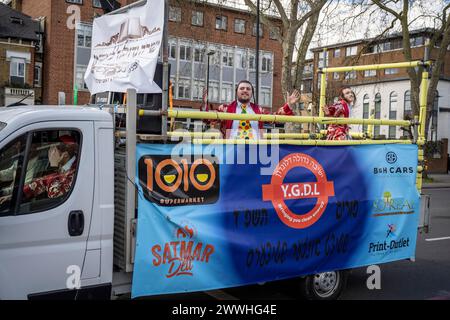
14, 24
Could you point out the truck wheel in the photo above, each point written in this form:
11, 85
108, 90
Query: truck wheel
324, 286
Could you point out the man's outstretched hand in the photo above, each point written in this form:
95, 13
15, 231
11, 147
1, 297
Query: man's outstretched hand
293, 98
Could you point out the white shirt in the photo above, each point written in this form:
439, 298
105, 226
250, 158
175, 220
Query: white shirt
253, 124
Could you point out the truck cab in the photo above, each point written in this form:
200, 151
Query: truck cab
56, 202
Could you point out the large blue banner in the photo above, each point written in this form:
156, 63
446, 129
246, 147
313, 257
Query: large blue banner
213, 217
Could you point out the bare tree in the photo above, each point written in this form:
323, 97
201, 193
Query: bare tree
440, 39
299, 15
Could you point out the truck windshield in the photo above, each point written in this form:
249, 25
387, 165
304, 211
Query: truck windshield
2, 125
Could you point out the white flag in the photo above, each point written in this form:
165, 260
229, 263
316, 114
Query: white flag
125, 50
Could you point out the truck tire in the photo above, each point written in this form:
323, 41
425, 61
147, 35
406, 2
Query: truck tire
324, 286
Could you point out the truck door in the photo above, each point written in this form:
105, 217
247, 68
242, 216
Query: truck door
46, 194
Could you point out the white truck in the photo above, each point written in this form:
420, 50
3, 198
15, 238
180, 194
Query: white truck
68, 217
48, 244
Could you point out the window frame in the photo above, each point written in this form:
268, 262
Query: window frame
194, 13
99, 6
38, 83
17, 62
84, 86
234, 27
273, 34
223, 21
16, 183
337, 53
18, 194
393, 100
349, 51
175, 10
261, 28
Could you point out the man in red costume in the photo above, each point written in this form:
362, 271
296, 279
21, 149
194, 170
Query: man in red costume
245, 129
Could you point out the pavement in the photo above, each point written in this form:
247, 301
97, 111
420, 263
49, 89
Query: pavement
439, 181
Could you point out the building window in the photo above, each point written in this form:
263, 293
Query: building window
434, 117
185, 52
350, 75
84, 35
226, 92
40, 44
260, 30
391, 71
199, 54
266, 64
96, 4
365, 110
38, 75
337, 53
376, 129
197, 91
241, 62
175, 14
308, 68
265, 96
172, 50
251, 62
213, 93
323, 59
274, 33
416, 41
227, 58
184, 89
75, 1
351, 51
407, 110
197, 18
239, 26
221, 23
370, 73
17, 72
336, 76
392, 113
79, 77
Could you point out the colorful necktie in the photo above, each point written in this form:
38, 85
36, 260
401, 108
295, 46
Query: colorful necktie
245, 129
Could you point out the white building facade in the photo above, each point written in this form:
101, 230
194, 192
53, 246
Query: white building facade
392, 100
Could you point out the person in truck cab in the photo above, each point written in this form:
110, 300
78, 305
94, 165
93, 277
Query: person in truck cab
62, 158
60, 171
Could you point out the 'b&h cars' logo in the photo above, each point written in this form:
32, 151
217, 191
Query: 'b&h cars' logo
176, 182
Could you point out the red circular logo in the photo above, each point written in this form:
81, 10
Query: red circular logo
278, 192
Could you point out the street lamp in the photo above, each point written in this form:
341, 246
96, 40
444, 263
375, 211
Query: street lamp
209, 54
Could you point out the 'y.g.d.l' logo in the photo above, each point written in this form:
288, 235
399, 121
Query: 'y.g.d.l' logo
278, 192
182, 181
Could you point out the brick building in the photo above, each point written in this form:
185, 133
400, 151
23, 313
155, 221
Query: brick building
66, 43
386, 93
20, 58
195, 29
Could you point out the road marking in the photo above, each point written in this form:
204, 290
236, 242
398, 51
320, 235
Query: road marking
220, 295
437, 239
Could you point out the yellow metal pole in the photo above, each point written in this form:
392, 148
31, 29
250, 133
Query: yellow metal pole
422, 123
370, 128
277, 118
183, 134
411, 64
300, 142
323, 91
